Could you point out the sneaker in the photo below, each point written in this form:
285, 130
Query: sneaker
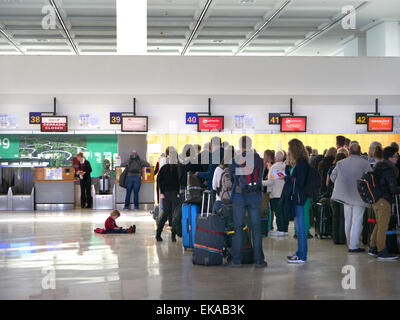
263, 264
295, 260
125, 208
310, 236
137, 208
159, 239
386, 256
373, 251
291, 256
277, 234
357, 250
230, 264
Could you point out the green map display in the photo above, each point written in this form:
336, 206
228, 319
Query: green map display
60, 148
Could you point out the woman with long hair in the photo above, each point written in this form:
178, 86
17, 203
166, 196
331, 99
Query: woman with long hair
298, 176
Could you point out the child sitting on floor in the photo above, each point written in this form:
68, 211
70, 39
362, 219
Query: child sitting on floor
111, 225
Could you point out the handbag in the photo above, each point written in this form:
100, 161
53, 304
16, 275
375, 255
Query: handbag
122, 178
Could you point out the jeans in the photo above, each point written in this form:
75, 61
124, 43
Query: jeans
132, 182
299, 221
383, 211
307, 207
353, 218
251, 203
282, 221
217, 205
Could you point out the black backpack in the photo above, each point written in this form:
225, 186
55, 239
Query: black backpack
313, 182
368, 188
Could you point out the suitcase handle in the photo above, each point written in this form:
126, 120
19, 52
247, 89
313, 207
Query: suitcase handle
208, 202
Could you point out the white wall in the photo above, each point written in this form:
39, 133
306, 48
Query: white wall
329, 119
328, 90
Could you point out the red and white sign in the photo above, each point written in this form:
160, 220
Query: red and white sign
134, 124
54, 124
210, 123
293, 124
380, 124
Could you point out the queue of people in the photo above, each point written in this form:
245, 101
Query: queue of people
285, 178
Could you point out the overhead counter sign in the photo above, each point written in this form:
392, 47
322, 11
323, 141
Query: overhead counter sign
293, 124
54, 124
210, 123
380, 124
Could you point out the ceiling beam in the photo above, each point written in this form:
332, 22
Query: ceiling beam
5, 35
60, 19
196, 27
317, 34
263, 26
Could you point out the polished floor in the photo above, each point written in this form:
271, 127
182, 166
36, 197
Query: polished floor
56, 255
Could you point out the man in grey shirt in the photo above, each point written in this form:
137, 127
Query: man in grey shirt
345, 176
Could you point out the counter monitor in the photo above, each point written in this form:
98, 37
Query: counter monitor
134, 124
293, 124
210, 123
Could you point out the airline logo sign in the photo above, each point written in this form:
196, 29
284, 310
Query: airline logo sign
54, 124
380, 124
293, 124
210, 123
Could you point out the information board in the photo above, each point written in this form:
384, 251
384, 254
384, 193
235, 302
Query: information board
210, 123
115, 117
293, 124
54, 124
134, 124
191, 118
35, 117
380, 124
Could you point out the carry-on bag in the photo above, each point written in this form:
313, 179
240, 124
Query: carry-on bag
393, 233
194, 189
209, 237
247, 247
189, 213
323, 219
104, 184
338, 230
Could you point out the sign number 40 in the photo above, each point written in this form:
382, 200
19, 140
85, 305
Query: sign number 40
5, 143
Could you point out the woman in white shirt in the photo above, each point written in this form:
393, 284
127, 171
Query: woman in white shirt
275, 186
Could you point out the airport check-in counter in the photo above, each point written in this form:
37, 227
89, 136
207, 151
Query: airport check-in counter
146, 193
17, 184
54, 188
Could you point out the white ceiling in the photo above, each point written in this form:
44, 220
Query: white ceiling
225, 28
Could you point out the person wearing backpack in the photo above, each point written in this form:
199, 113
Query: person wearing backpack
134, 165
275, 186
345, 176
246, 172
298, 178
387, 174
222, 184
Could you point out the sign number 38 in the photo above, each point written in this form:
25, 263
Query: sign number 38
5, 143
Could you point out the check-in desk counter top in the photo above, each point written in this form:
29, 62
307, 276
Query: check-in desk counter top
146, 193
54, 188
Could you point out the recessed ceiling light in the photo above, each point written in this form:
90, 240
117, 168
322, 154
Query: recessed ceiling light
218, 41
246, 1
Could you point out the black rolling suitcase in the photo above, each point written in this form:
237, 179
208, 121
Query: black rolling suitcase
338, 230
209, 237
323, 219
393, 233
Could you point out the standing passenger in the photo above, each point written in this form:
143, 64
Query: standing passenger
84, 170
345, 176
134, 165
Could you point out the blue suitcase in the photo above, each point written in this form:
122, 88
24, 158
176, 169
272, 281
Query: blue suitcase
189, 213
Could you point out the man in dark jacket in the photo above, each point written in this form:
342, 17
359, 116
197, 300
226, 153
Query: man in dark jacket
247, 196
396, 146
134, 178
387, 175
84, 170
217, 154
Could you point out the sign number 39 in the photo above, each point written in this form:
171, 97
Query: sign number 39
5, 143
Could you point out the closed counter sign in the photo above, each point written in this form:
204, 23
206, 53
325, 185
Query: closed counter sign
54, 124
293, 124
380, 124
